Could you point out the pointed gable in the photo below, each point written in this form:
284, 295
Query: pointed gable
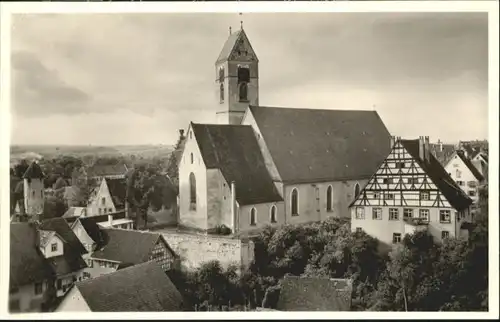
117, 190
233, 42
468, 163
311, 145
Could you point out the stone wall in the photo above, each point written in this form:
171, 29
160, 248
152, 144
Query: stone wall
194, 249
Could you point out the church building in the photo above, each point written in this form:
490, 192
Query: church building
272, 165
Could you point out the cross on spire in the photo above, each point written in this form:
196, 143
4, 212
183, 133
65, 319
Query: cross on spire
241, 21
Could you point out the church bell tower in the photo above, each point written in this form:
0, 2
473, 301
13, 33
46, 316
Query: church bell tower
237, 78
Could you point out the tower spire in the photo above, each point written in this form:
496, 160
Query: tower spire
241, 21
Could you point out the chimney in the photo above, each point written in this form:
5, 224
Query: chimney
440, 145
421, 147
233, 207
393, 141
181, 132
427, 150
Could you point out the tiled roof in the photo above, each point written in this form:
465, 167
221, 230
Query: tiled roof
118, 190
127, 246
139, 288
27, 263
99, 170
310, 145
45, 236
34, 171
234, 150
75, 212
448, 187
314, 294
61, 227
67, 263
470, 166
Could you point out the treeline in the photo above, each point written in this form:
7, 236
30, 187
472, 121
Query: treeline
146, 181
418, 275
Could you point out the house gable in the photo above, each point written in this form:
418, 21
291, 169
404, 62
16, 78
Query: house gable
97, 206
53, 246
398, 181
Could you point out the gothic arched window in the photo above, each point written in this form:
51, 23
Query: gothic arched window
356, 190
221, 92
243, 74
221, 74
295, 202
243, 92
329, 197
253, 217
192, 191
273, 214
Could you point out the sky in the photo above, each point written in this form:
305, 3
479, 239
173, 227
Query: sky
113, 79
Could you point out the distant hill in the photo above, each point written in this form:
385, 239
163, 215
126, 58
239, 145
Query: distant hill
31, 152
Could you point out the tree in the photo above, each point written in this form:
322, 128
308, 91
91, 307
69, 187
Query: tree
54, 207
20, 168
147, 188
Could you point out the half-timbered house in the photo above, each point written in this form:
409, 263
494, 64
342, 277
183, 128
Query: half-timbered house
410, 191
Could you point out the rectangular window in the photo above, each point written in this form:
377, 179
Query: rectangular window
86, 275
412, 180
105, 210
388, 180
396, 238
424, 214
472, 193
100, 211
102, 264
377, 213
360, 213
407, 213
400, 165
58, 284
425, 195
53, 247
389, 196
393, 214
445, 216
103, 201
445, 234
460, 183
38, 288
359, 230
110, 210
376, 195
